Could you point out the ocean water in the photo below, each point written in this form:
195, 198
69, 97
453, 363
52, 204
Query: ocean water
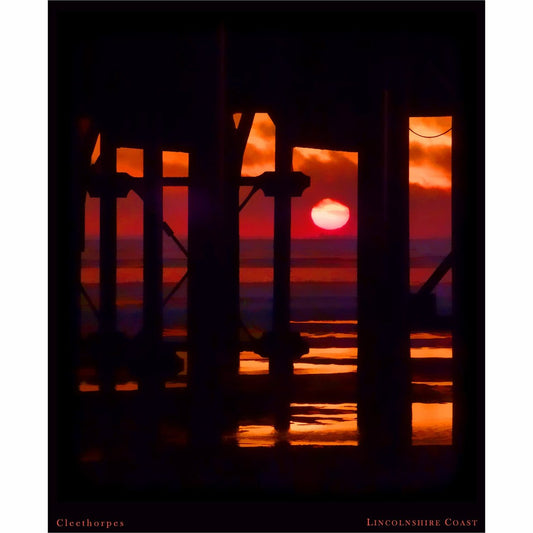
323, 309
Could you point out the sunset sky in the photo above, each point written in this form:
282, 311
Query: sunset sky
333, 175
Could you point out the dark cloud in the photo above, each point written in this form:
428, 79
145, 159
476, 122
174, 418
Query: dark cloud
437, 156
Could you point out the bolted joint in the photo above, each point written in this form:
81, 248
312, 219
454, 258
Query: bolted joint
272, 345
118, 184
280, 183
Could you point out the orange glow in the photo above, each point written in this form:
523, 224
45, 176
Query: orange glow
175, 385
96, 151
426, 335
333, 176
259, 155
330, 214
300, 154
432, 423
128, 386
425, 352
175, 164
430, 158
88, 387
311, 425
336, 424
130, 161
309, 335
237, 119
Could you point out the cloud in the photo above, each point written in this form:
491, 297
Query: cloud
130, 160
430, 165
175, 164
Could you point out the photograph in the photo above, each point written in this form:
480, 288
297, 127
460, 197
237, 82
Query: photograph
266, 266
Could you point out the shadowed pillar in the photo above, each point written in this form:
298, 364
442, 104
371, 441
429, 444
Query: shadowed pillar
467, 293
108, 240
108, 264
213, 246
153, 246
150, 356
384, 406
281, 359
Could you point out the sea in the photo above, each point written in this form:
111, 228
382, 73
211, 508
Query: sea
323, 310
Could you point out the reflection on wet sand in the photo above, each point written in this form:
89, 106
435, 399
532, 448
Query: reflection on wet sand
432, 423
311, 424
336, 425
329, 424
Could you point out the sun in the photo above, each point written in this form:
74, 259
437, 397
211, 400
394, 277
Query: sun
330, 214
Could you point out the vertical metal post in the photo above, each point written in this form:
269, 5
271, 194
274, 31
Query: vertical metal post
384, 408
153, 245
467, 294
282, 241
213, 246
108, 240
108, 266
281, 360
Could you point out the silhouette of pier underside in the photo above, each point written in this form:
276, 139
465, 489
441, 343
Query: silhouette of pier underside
341, 83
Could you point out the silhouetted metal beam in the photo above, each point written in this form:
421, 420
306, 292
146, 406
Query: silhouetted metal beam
255, 188
176, 288
436, 276
89, 301
168, 230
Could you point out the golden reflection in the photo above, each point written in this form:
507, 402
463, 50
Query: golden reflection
432, 423
428, 352
311, 425
314, 368
128, 386
175, 385
336, 424
423, 335
252, 363
328, 335
88, 387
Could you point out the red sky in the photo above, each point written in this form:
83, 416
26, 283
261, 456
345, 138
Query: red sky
333, 175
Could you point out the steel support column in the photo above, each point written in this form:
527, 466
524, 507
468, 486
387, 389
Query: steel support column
213, 246
108, 267
108, 241
384, 406
467, 293
281, 359
153, 246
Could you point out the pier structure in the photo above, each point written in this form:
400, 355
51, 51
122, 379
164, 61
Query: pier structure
177, 90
